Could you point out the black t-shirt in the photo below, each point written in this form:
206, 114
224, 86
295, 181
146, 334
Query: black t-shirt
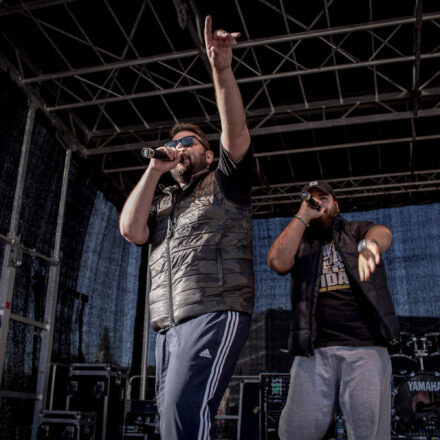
344, 315
235, 178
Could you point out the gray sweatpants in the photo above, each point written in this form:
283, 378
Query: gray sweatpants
360, 377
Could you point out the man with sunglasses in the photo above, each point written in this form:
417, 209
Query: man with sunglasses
202, 284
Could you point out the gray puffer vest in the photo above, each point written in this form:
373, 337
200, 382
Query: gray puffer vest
201, 259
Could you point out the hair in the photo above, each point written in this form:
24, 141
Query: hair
190, 127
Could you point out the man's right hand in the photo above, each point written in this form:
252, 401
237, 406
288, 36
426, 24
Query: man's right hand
219, 46
163, 166
308, 212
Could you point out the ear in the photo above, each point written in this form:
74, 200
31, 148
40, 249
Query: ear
337, 207
209, 154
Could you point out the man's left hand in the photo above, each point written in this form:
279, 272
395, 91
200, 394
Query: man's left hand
368, 259
219, 45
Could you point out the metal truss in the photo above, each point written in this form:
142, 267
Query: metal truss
87, 92
358, 187
312, 74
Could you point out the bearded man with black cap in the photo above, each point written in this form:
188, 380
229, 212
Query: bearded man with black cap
343, 318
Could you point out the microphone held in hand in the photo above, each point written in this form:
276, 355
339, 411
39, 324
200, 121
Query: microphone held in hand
310, 200
151, 153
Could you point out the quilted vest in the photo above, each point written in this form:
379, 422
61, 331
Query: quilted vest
201, 258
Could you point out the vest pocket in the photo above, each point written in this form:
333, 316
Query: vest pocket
219, 266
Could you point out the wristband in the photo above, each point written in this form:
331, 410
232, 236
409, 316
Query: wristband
302, 221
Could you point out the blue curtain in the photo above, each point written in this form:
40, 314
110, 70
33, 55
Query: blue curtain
108, 274
271, 289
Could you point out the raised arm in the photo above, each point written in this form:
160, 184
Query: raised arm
377, 240
235, 134
134, 216
281, 255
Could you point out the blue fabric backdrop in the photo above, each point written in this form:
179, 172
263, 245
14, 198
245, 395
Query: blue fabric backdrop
109, 273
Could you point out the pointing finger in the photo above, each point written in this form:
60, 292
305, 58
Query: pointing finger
362, 273
377, 257
361, 268
208, 30
366, 275
371, 265
366, 270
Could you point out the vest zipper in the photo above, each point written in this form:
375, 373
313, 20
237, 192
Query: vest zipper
170, 234
219, 266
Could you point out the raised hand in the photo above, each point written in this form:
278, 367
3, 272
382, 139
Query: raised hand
174, 156
219, 45
368, 259
307, 212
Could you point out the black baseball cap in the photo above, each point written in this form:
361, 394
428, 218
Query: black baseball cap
320, 184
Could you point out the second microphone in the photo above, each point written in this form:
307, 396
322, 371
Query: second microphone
309, 199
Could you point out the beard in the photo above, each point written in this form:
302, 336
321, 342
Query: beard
183, 174
324, 223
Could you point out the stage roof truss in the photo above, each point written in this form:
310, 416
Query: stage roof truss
330, 85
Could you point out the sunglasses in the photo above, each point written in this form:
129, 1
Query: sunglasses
187, 141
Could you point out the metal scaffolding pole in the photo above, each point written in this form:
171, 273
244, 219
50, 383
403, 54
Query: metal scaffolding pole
12, 254
51, 301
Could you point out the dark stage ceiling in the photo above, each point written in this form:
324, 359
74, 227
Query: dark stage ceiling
343, 90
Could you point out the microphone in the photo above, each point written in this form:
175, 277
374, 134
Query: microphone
310, 200
151, 153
